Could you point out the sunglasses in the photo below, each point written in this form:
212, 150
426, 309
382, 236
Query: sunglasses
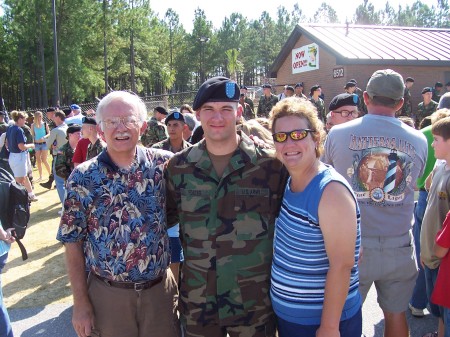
281, 137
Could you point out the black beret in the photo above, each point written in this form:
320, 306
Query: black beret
267, 86
73, 128
161, 110
299, 85
51, 109
350, 85
438, 84
409, 79
343, 100
427, 89
216, 89
67, 111
290, 88
353, 81
314, 88
244, 87
89, 120
175, 116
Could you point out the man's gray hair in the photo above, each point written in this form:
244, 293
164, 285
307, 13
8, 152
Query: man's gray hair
123, 96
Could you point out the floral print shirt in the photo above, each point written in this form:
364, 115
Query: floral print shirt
120, 216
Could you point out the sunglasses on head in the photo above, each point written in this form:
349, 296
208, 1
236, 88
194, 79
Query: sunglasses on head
281, 137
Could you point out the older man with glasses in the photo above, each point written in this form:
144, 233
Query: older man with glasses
115, 223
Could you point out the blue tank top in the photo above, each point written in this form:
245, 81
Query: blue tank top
39, 133
300, 262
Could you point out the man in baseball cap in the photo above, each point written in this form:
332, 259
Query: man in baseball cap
381, 158
226, 193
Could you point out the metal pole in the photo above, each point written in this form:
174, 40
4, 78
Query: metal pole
55, 51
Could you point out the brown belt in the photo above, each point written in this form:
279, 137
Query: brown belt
138, 286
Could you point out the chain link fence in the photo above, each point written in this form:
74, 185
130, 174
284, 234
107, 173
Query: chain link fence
168, 101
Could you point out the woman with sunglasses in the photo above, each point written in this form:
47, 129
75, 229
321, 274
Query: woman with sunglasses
314, 286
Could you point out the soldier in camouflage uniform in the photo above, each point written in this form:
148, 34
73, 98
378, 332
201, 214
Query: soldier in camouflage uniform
227, 194
156, 130
425, 108
247, 109
407, 106
89, 131
64, 163
266, 102
318, 102
298, 90
437, 91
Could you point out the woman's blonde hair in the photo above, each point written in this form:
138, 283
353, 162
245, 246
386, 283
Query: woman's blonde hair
295, 106
16, 115
37, 121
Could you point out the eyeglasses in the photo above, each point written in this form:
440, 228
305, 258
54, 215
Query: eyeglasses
114, 122
281, 137
346, 113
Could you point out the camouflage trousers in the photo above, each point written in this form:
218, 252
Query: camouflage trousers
196, 329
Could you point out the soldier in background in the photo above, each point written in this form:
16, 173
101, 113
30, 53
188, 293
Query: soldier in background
426, 107
318, 102
227, 193
407, 105
437, 91
247, 99
248, 111
266, 102
350, 88
361, 105
298, 90
175, 122
64, 162
156, 130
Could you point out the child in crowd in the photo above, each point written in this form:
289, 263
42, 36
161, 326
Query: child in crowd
441, 295
437, 208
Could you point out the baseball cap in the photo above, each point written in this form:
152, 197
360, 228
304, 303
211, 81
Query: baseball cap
386, 83
75, 107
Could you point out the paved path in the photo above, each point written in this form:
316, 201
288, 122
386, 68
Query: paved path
55, 321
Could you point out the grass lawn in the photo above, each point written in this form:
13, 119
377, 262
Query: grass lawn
42, 279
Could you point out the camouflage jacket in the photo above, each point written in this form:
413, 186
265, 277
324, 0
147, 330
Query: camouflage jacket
155, 132
248, 112
165, 145
64, 163
407, 107
265, 105
95, 149
424, 111
320, 106
249, 102
227, 229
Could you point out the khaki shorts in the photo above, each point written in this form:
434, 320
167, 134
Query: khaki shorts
390, 263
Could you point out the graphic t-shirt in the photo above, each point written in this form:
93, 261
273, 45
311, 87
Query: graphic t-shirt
381, 158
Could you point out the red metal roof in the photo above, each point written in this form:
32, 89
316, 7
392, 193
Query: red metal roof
357, 44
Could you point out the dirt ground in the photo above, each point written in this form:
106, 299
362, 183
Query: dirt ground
42, 279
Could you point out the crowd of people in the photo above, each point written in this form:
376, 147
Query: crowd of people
224, 219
